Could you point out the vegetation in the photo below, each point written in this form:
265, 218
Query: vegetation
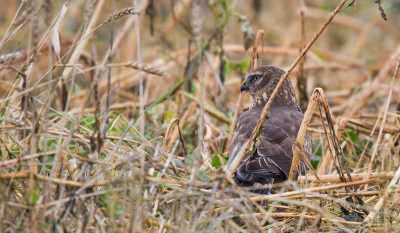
116, 116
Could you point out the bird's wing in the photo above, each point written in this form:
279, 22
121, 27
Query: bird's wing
245, 126
273, 157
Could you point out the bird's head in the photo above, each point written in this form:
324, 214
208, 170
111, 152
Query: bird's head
260, 77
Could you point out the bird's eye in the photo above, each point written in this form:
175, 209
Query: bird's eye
256, 78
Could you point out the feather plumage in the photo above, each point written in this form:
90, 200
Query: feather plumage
273, 157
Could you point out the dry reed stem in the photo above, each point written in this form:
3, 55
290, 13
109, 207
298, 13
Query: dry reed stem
305, 191
252, 65
337, 194
343, 19
164, 225
385, 129
182, 121
145, 68
69, 183
341, 61
302, 132
169, 129
233, 122
183, 209
383, 122
354, 176
283, 78
383, 198
12, 24
125, 29
303, 154
78, 50
254, 57
213, 111
328, 156
265, 50
362, 99
296, 215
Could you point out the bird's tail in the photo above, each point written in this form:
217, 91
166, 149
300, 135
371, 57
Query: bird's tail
260, 181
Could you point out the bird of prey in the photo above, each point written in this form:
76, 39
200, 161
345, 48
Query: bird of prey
272, 159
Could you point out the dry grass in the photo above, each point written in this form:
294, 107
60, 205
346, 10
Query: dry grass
115, 115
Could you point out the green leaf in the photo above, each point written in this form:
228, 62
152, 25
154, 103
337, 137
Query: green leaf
109, 202
189, 159
35, 195
203, 176
4, 110
351, 134
218, 160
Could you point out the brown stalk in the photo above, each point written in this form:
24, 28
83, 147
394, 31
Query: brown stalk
382, 199
168, 132
342, 19
169, 129
363, 98
69, 183
303, 154
383, 122
385, 129
252, 65
266, 50
302, 132
233, 122
341, 194
155, 223
339, 161
354, 176
145, 68
266, 108
78, 49
124, 30
298, 215
308, 190
213, 111
182, 121
301, 78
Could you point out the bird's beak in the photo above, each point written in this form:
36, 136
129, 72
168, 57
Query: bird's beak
243, 87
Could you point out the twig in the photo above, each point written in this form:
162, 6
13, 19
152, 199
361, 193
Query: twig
383, 198
233, 122
252, 65
302, 191
383, 122
296, 215
354, 176
303, 154
302, 132
365, 95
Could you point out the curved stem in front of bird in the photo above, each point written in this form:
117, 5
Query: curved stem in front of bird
302, 132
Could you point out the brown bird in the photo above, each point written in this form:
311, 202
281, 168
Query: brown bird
272, 158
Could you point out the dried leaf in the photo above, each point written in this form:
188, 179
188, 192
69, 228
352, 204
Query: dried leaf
56, 39
379, 2
353, 4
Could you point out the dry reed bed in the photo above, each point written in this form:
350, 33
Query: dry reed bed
99, 138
